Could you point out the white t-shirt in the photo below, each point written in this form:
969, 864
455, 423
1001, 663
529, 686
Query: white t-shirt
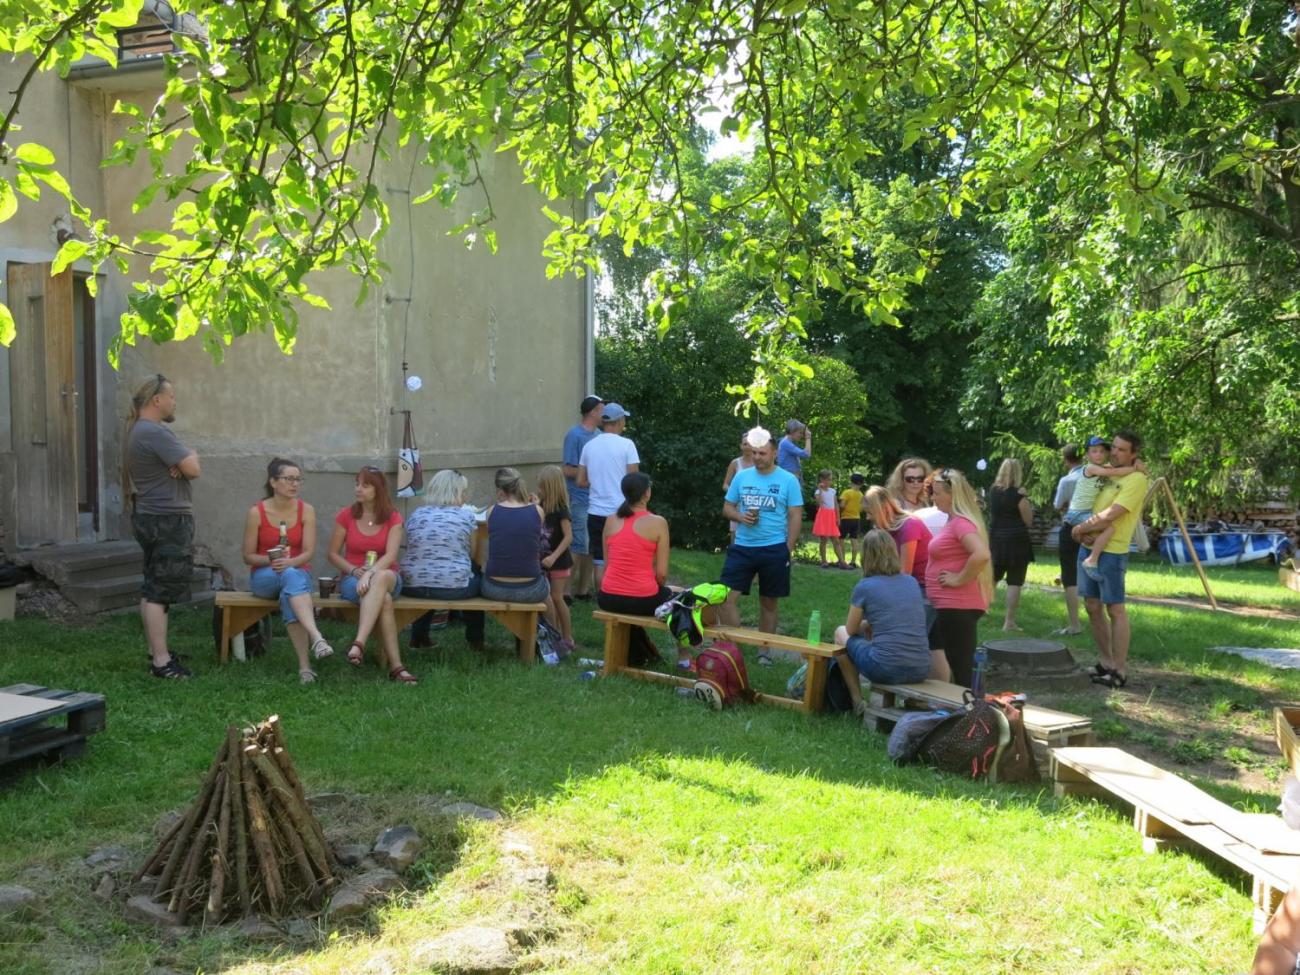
606, 458
933, 518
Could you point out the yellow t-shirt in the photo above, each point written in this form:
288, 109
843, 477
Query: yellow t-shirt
1129, 492
852, 499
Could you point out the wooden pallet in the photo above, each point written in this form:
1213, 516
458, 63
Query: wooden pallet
1050, 728
31, 734
1289, 577
1286, 718
1169, 811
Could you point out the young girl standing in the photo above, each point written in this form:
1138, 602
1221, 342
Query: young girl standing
554, 498
826, 526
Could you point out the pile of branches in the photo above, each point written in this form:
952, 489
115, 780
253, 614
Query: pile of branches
249, 843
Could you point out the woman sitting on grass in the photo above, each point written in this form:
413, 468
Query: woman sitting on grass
364, 548
885, 633
279, 542
636, 567
441, 555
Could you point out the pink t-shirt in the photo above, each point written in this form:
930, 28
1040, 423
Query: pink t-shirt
948, 554
914, 530
357, 543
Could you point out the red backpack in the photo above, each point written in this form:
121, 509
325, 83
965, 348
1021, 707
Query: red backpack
722, 676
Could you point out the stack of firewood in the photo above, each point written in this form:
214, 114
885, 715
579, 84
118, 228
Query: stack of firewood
249, 843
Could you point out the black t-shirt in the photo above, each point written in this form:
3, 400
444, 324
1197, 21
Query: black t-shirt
555, 532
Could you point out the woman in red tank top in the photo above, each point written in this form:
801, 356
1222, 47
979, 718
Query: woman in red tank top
636, 565
287, 576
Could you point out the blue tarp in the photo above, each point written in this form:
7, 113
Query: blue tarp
1221, 548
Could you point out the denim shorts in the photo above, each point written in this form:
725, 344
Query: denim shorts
771, 563
534, 591
348, 587
866, 657
578, 517
1110, 590
266, 583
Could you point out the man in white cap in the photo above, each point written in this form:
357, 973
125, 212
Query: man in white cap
766, 503
579, 435
604, 462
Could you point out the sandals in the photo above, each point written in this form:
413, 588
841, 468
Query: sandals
320, 649
402, 676
1111, 678
173, 669
1066, 631
307, 676
357, 653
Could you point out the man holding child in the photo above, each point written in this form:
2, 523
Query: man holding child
1115, 512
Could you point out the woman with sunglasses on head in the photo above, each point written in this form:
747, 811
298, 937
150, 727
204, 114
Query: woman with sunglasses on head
363, 547
959, 575
279, 542
442, 555
907, 483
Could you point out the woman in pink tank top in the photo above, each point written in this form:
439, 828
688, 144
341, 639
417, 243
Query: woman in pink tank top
636, 566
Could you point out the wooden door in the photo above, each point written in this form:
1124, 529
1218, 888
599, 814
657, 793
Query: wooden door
43, 404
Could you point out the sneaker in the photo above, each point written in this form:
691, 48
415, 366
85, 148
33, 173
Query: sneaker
706, 693
686, 665
321, 649
173, 669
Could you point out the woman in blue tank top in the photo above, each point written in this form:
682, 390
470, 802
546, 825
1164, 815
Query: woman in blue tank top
514, 565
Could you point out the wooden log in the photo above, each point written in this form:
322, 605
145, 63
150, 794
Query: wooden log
296, 810
280, 752
159, 854
213, 911
288, 836
183, 837
260, 832
235, 786
182, 892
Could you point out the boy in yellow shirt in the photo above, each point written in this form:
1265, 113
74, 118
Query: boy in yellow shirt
851, 515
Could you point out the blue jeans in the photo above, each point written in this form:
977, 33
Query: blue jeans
348, 587
866, 657
1110, 590
578, 517
266, 583
474, 620
535, 591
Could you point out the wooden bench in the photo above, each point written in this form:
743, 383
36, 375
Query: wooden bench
1169, 811
618, 632
240, 610
24, 722
1047, 728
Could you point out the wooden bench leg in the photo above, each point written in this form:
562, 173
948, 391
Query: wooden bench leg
523, 624
1156, 834
236, 619
1267, 900
618, 639
814, 690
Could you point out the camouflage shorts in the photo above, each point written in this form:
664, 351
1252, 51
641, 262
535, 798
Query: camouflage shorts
168, 543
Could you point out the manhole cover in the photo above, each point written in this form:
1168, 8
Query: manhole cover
1028, 659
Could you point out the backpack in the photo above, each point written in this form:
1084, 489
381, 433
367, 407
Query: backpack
1016, 763
909, 734
723, 679
549, 646
970, 741
836, 699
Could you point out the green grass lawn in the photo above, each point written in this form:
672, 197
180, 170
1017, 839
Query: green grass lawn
755, 840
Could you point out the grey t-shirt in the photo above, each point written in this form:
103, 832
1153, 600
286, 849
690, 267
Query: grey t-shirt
151, 451
893, 607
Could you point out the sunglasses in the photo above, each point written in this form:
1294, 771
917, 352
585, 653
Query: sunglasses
159, 381
914, 479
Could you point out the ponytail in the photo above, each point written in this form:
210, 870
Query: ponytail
635, 486
146, 391
511, 483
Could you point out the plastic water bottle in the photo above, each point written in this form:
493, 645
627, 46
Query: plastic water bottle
589, 675
815, 626
977, 675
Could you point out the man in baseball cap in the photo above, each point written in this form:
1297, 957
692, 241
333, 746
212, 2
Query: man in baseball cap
579, 435
604, 462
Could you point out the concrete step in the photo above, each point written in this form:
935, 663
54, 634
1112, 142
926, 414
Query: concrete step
77, 564
99, 595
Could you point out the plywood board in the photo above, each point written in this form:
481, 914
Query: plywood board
14, 706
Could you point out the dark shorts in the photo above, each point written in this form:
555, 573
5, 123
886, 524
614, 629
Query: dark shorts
1068, 550
849, 527
168, 543
1013, 572
770, 562
596, 538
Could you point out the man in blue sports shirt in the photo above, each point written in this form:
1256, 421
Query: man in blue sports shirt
766, 503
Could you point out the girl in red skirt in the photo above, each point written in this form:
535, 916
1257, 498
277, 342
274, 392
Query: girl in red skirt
826, 526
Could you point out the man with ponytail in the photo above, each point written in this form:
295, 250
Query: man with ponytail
156, 474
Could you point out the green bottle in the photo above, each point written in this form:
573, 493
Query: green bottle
815, 627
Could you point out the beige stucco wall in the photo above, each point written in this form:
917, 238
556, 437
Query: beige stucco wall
500, 348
